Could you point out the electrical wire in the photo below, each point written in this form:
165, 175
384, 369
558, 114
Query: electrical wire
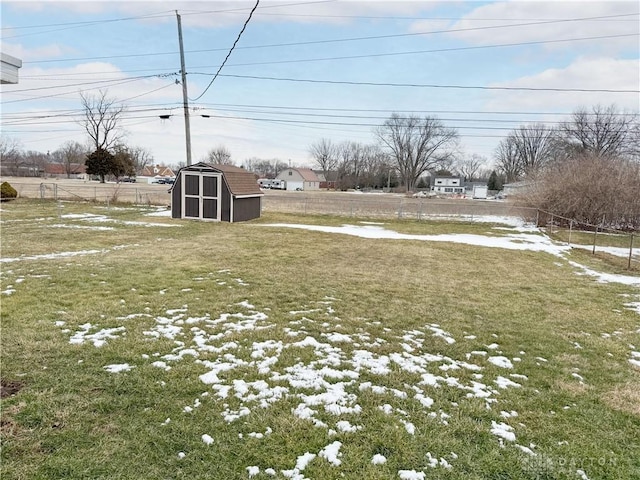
423, 85
231, 50
338, 40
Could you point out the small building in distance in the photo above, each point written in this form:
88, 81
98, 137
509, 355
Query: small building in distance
299, 179
221, 193
155, 173
447, 186
60, 170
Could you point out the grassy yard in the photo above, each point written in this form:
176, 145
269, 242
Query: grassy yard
140, 347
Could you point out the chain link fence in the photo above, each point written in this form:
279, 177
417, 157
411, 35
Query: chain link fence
602, 241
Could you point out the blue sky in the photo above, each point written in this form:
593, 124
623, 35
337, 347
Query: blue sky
325, 56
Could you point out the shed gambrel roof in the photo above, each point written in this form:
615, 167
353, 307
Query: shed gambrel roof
240, 181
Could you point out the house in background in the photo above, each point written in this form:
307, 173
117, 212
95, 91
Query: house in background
328, 181
154, 173
447, 186
218, 193
58, 170
9, 67
299, 179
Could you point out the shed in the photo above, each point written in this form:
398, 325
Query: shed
215, 193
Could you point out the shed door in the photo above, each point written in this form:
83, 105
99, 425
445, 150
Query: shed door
201, 195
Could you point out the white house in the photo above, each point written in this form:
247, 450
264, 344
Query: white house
447, 185
299, 179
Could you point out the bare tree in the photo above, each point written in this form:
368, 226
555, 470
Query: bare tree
10, 155
71, 154
603, 131
219, 155
141, 157
534, 146
416, 145
468, 167
507, 160
102, 120
325, 154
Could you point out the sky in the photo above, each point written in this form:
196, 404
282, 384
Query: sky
304, 70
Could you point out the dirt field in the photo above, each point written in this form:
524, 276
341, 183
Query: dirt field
354, 204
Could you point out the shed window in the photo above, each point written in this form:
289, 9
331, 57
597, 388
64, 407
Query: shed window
290, 173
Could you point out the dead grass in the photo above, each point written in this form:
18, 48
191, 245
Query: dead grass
625, 398
79, 422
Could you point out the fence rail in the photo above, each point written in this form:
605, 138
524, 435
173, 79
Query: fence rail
602, 239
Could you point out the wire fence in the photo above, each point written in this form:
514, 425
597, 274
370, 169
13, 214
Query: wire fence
596, 238
383, 206
101, 193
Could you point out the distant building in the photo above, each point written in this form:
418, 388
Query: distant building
447, 185
154, 173
59, 170
9, 69
299, 179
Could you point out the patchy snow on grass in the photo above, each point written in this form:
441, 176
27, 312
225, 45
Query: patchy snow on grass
118, 367
518, 241
503, 430
99, 338
500, 361
331, 453
635, 359
607, 277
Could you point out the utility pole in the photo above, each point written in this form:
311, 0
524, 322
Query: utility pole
185, 97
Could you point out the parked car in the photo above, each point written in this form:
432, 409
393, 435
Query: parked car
128, 179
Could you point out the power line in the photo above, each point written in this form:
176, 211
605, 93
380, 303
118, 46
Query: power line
423, 85
231, 50
111, 83
338, 40
437, 50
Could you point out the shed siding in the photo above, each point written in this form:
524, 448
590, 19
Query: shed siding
246, 209
225, 214
176, 199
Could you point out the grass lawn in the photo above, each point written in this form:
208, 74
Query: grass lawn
141, 347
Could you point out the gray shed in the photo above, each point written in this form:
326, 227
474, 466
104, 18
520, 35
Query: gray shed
215, 193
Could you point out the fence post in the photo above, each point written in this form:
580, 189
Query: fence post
595, 235
630, 252
400, 210
551, 228
55, 191
537, 217
570, 230
419, 209
305, 205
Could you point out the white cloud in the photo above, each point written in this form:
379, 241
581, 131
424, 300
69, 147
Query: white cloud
218, 13
478, 24
583, 73
44, 52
